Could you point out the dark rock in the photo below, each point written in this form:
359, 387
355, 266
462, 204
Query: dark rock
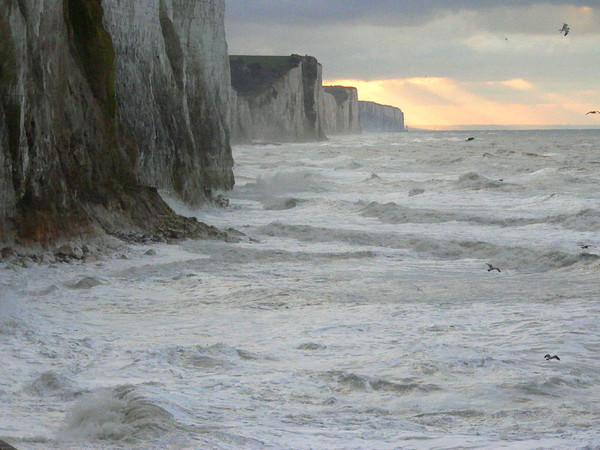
86, 283
8, 252
415, 191
27, 262
311, 346
234, 232
64, 250
6, 446
221, 201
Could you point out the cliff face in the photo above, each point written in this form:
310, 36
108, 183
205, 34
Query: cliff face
276, 98
172, 89
340, 110
66, 169
376, 117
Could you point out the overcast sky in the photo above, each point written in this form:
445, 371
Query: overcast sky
443, 62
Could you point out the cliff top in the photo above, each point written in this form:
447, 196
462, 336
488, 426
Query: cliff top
340, 93
379, 104
256, 73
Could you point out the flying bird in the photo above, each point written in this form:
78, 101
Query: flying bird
592, 112
565, 28
548, 357
584, 246
490, 268
470, 139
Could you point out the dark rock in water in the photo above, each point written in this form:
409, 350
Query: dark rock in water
8, 252
415, 191
65, 249
373, 177
6, 446
234, 232
67, 252
89, 259
26, 262
86, 283
150, 252
221, 201
265, 143
288, 203
472, 180
311, 346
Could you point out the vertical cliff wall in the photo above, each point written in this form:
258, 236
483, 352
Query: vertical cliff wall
376, 117
65, 167
276, 98
340, 110
172, 88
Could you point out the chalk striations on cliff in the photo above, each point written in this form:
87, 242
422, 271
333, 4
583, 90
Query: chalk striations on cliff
340, 110
65, 167
376, 117
276, 98
172, 86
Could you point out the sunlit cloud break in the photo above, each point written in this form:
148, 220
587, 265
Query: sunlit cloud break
517, 83
439, 102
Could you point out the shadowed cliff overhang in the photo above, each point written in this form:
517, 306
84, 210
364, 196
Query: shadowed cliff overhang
340, 93
255, 74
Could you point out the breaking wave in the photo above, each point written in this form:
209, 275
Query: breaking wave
584, 220
53, 384
354, 382
511, 257
120, 414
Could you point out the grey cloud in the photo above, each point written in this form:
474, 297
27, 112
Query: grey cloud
380, 12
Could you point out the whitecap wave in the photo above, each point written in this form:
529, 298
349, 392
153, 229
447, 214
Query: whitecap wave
120, 414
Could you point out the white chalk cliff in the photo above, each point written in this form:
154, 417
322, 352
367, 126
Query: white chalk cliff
73, 148
339, 110
376, 117
277, 98
172, 85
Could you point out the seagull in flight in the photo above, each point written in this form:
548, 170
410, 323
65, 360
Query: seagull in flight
592, 112
565, 29
548, 357
490, 268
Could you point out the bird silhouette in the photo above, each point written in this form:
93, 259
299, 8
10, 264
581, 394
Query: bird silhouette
490, 268
470, 139
592, 112
548, 357
565, 29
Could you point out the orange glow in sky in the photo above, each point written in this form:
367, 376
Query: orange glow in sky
437, 102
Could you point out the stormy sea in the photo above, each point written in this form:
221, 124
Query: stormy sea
356, 311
